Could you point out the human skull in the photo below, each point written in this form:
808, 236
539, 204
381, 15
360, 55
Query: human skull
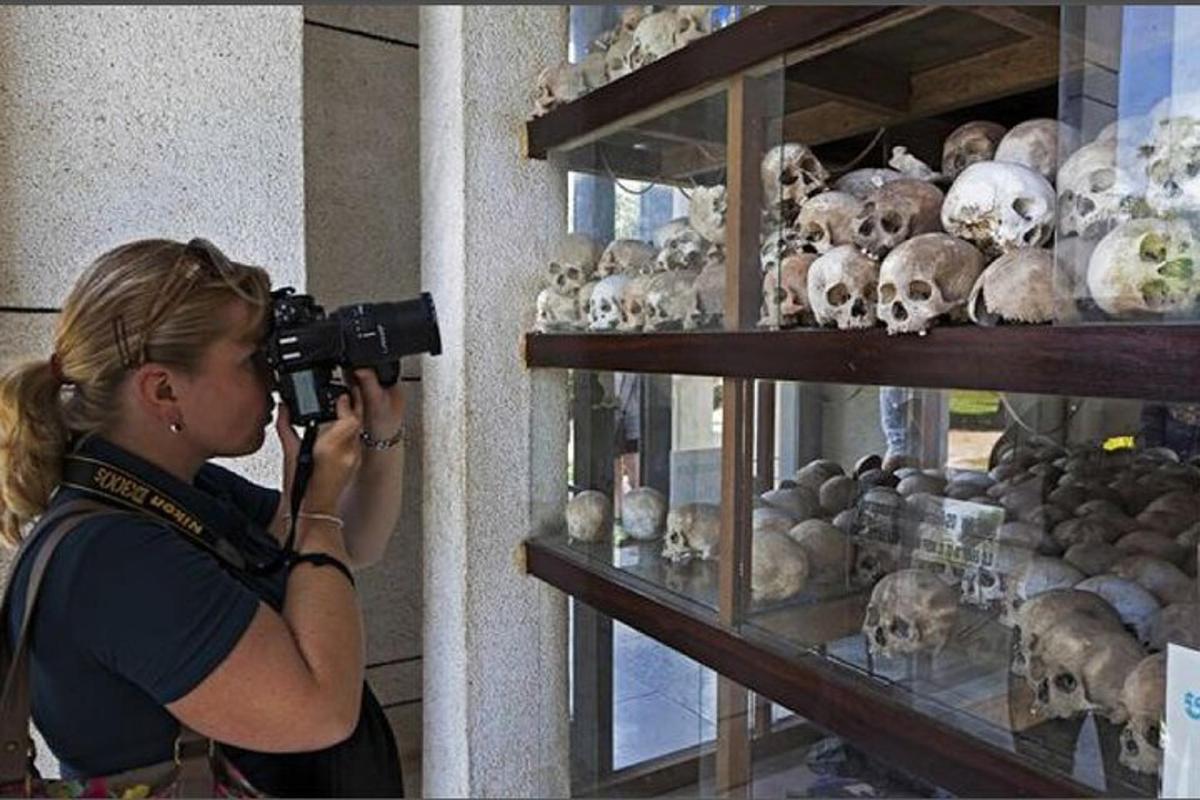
683, 248
709, 288
827, 221
910, 611
969, 144
816, 472
837, 494
1095, 193
1033, 143
655, 36
556, 85
873, 560
1144, 696
604, 306
778, 568
1092, 557
670, 299
556, 312
769, 519
843, 288
589, 516
595, 70
693, 531
910, 166
1016, 287
632, 300
799, 501
693, 22
791, 174
925, 278
1048, 609
1039, 574
1145, 267
706, 212
573, 264
895, 212
828, 551
1079, 665
625, 257
1164, 580
1178, 623
860, 183
1172, 156
1137, 606
616, 57
785, 293
778, 244
643, 513
999, 207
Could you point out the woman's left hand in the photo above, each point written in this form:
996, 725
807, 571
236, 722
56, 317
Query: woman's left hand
383, 407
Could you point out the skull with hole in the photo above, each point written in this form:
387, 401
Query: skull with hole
1145, 267
573, 264
556, 312
1136, 605
683, 248
1164, 580
1033, 143
589, 516
670, 299
860, 183
999, 207
1095, 193
911, 611
1039, 574
895, 212
925, 278
604, 308
827, 221
827, 549
557, 85
1016, 287
970, 144
654, 37
1048, 609
1178, 623
706, 212
1092, 557
625, 257
778, 568
791, 174
643, 513
910, 166
785, 293
1144, 695
1079, 665
709, 287
843, 287
693, 531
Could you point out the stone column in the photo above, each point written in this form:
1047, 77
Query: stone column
495, 685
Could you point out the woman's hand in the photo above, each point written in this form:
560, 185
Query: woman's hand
336, 455
383, 407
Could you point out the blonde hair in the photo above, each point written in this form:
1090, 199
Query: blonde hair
149, 300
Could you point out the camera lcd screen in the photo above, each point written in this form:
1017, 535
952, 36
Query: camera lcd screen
306, 392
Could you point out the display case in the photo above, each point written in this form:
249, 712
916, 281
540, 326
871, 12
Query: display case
852, 425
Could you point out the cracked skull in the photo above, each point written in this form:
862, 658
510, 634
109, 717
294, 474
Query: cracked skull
910, 611
999, 207
693, 531
925, 278
1145, 267
843, 288
895, 212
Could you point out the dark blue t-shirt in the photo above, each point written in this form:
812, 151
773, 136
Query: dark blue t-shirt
132, 616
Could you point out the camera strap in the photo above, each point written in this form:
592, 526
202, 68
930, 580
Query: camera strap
112, 484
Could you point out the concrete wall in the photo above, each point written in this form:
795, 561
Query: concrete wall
362, 213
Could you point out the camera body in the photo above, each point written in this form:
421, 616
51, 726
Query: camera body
305, 347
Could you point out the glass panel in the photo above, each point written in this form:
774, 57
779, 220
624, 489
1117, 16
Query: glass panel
1129, 193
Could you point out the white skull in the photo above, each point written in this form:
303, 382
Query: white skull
632, 300
910, 166
1092, 557
1178, 623
643, 513
1164, 580
925, 278
625, 257
557, 85
573, 264
706, 212
1079, 665
861, 182
1136, 605
843, 288
895, 212
1039, 574
670, 299
630, 17
709, 287
1000, 207
791, 174
604, 306
1144, 695
556, 312
1145, 267
785, 293
828, 551
693, 22
910, 611
1016, 287
1033, 143
778, 244
1173, 164
778, 568
827, 221
589, 516
655, 36
969, 144
693, 531
682, 248
1048, 609
1094, 193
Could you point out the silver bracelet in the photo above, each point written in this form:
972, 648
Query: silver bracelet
383, 444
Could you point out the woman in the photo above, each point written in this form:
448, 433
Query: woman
156, 369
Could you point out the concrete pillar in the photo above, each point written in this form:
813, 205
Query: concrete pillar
495, 686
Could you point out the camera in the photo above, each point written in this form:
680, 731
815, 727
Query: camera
305, 347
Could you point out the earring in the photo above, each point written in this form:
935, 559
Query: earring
176, 427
